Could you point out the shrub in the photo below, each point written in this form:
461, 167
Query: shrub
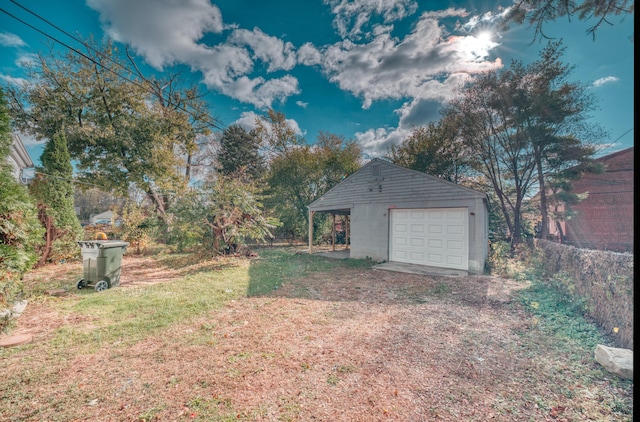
20, 230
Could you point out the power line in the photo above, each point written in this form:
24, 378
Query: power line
99, 53
69, 180
145, 88
619, 137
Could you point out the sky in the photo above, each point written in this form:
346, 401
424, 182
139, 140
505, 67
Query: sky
370, 71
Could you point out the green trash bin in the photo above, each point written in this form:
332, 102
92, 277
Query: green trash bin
101, 262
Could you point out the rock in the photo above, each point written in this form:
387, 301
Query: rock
18, 308
16, 340
15, 311
618, 361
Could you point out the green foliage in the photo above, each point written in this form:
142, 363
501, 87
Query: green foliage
431, 149
300, 175
554, 308
239, 150
561, 316
222, 214
136, 227
53, 190
20, 230
522, 127
121, 133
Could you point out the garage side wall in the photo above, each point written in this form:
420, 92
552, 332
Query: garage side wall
370, 231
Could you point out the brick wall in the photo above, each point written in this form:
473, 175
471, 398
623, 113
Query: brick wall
605, 219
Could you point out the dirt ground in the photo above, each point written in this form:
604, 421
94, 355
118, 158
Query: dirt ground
356, 345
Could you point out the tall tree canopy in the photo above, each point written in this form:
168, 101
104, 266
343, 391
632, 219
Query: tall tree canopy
539, 12
121, 132
431, 149
300, 175
523, 126
54, 193
240, 150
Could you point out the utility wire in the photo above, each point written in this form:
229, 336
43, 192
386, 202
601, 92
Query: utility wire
99, 53
619, 137
68, 180
146, 88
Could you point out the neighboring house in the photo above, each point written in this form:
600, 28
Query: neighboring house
604, 220
102, 218
19, 159
402, 215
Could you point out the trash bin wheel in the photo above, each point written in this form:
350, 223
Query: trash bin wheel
101, 285
81, 283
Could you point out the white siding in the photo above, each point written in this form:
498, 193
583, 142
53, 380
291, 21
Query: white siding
371, 195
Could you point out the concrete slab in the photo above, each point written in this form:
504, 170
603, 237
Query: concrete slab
341, 254
16, 340
419, 269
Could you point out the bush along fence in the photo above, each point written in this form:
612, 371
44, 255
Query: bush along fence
603, 280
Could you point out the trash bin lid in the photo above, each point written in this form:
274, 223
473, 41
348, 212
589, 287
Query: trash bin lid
103, 244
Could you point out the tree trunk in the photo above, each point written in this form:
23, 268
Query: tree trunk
544, 210
51, 235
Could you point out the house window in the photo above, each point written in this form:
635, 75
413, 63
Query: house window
375, 170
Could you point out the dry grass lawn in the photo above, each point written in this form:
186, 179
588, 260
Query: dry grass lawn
350, 344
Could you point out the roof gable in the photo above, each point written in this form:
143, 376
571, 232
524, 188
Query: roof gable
380, 180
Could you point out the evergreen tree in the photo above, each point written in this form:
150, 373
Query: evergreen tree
53, 190
239, 150
20, 231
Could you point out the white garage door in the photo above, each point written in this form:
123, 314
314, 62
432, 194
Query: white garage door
437, 237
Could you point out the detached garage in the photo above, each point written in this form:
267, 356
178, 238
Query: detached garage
402, 215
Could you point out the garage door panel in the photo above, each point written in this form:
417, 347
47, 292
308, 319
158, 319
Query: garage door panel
437, 237
435, 228
455, 229
434, 243
436, 258
455, 245
454, 260
417, 228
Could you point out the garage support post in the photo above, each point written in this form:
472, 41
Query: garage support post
333, 232
347, 223
311, 213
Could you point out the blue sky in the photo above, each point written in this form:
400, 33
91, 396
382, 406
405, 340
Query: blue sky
367, 70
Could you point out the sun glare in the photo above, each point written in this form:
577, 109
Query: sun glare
476, 47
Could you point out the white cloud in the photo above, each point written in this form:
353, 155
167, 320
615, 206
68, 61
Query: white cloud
488, 19
302, 104
352, 15
605, 80
163, 31
271, 50
26, 59
13, 81
8, 39
248, 119
427, 63
309, 55
167, 32
417, 112
376, 142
